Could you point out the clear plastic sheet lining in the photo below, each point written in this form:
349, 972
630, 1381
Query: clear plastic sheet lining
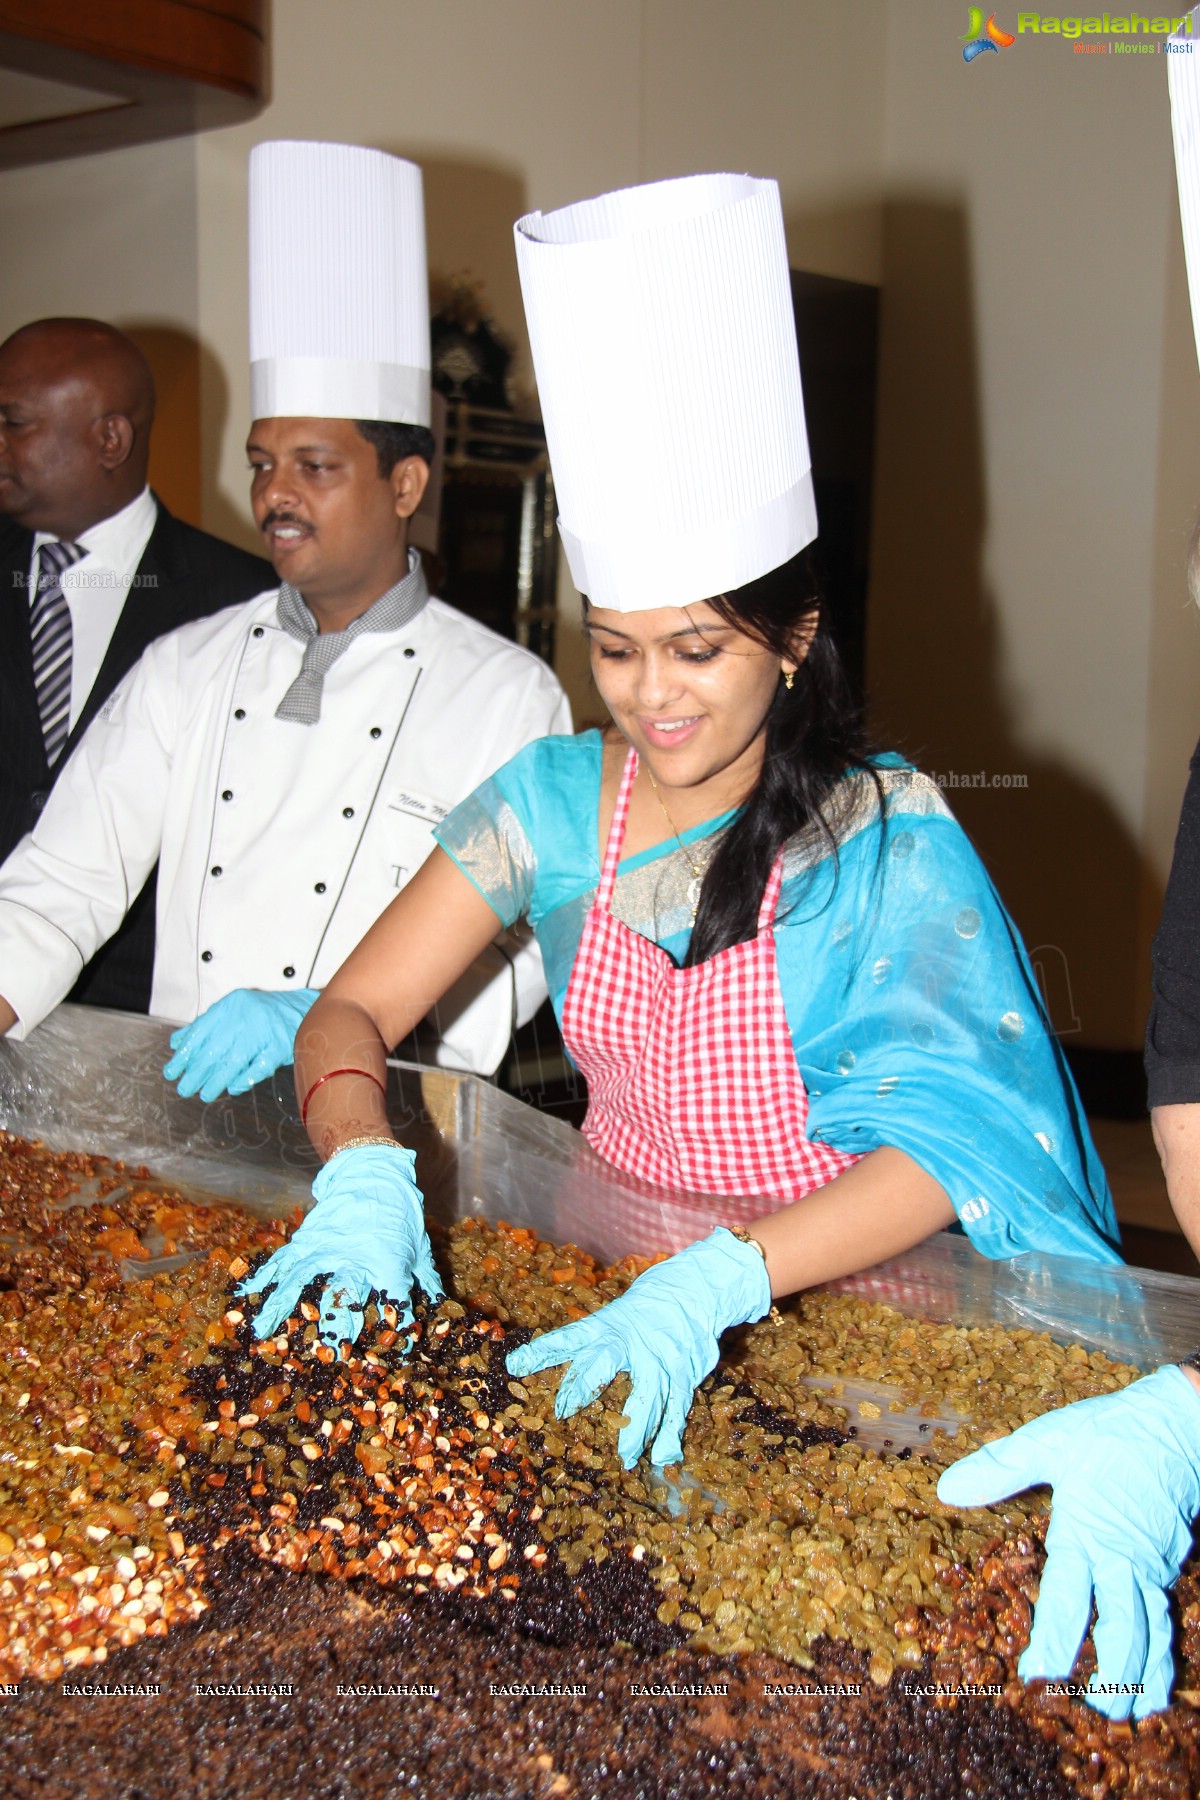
92, 1080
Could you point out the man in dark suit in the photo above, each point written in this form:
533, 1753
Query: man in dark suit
92, 569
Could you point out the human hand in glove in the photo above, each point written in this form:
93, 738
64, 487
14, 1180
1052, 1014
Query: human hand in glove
1125, 1469
366, 1233
663, 1331
238, 1040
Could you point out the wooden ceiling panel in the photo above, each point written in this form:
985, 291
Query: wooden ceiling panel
140, 70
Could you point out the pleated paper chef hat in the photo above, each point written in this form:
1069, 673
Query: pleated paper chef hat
1183, 80
339, 293
661, 324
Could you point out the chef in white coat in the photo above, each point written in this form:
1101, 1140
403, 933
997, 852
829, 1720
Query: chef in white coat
285, 760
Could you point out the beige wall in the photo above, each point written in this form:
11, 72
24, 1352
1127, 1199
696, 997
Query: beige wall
1039, 453
114, 237
1039, 462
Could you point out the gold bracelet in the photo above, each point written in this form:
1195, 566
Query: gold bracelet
743, 1237
359, 1143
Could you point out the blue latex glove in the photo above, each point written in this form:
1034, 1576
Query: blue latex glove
366, 1233
663, 1330
237, 1041
1125, 1469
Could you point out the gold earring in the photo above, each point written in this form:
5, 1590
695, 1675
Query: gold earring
789, 676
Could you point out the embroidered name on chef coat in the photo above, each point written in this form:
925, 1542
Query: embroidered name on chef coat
418, 806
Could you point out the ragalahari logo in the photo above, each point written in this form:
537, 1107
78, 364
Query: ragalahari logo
979, 37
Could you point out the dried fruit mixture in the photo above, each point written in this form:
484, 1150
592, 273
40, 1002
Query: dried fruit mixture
154, 1451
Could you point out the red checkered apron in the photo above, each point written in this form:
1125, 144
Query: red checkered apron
692, 1079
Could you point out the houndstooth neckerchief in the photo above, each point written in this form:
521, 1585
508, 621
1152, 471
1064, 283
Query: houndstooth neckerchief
391, 612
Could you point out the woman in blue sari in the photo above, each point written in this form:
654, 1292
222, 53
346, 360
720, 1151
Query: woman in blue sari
882, 1067
774, 955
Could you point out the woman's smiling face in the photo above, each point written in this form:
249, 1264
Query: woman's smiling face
690, 692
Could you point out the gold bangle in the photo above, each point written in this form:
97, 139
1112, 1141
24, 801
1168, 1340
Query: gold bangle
359, 1143
743, 1237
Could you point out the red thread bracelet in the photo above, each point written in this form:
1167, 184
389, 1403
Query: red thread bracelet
322, 1079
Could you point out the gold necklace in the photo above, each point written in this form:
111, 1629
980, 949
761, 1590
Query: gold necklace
697, 881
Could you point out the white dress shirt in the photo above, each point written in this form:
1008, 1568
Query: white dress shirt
95, 588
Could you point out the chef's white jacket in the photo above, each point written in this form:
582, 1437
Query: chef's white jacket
278, 844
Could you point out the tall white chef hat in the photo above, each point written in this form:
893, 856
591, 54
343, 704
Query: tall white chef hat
1183, 81
663, 338
339, 292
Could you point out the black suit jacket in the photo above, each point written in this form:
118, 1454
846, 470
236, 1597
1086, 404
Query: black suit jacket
184, 574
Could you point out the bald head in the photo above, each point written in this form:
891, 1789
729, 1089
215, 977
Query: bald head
76, 406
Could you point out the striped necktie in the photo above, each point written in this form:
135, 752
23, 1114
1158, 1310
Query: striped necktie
50, 630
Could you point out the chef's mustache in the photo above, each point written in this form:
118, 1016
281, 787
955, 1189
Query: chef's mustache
283, 518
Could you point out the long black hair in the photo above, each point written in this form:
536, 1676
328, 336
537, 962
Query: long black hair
815, 735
